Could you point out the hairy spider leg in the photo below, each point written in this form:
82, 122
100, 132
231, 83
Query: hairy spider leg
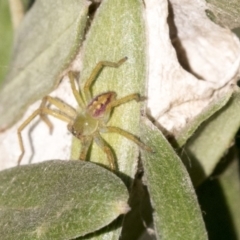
68, 110
44, 117
98, 68
117, 102
62, 106
102, 144
85, 144
40, 111
111, 129
76, 93
128, 98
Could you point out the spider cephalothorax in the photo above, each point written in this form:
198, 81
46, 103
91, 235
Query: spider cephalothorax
91, 120
88, 122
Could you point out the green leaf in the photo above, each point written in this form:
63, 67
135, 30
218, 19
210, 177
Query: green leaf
6, 38
58, 200
176, 211
46, 42
204, 150
224, 13
117, 31
190, 128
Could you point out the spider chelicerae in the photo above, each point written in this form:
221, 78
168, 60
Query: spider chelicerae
91, 119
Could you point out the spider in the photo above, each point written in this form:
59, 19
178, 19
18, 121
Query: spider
91, 120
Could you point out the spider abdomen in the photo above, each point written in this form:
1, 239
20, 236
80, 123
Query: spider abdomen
97, 107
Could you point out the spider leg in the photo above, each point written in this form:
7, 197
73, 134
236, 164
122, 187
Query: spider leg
75, 91
65, 108
98, 68
101, 143
44, 117
117, 102
85, 142
128, 98
54, 113
111, 129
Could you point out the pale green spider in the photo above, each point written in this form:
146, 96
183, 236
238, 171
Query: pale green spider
91, 120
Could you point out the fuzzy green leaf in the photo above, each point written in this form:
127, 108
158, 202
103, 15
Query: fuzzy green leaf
190, 128
225, 13
117, 31
46, 42
176, 211
58, 200
204, 150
